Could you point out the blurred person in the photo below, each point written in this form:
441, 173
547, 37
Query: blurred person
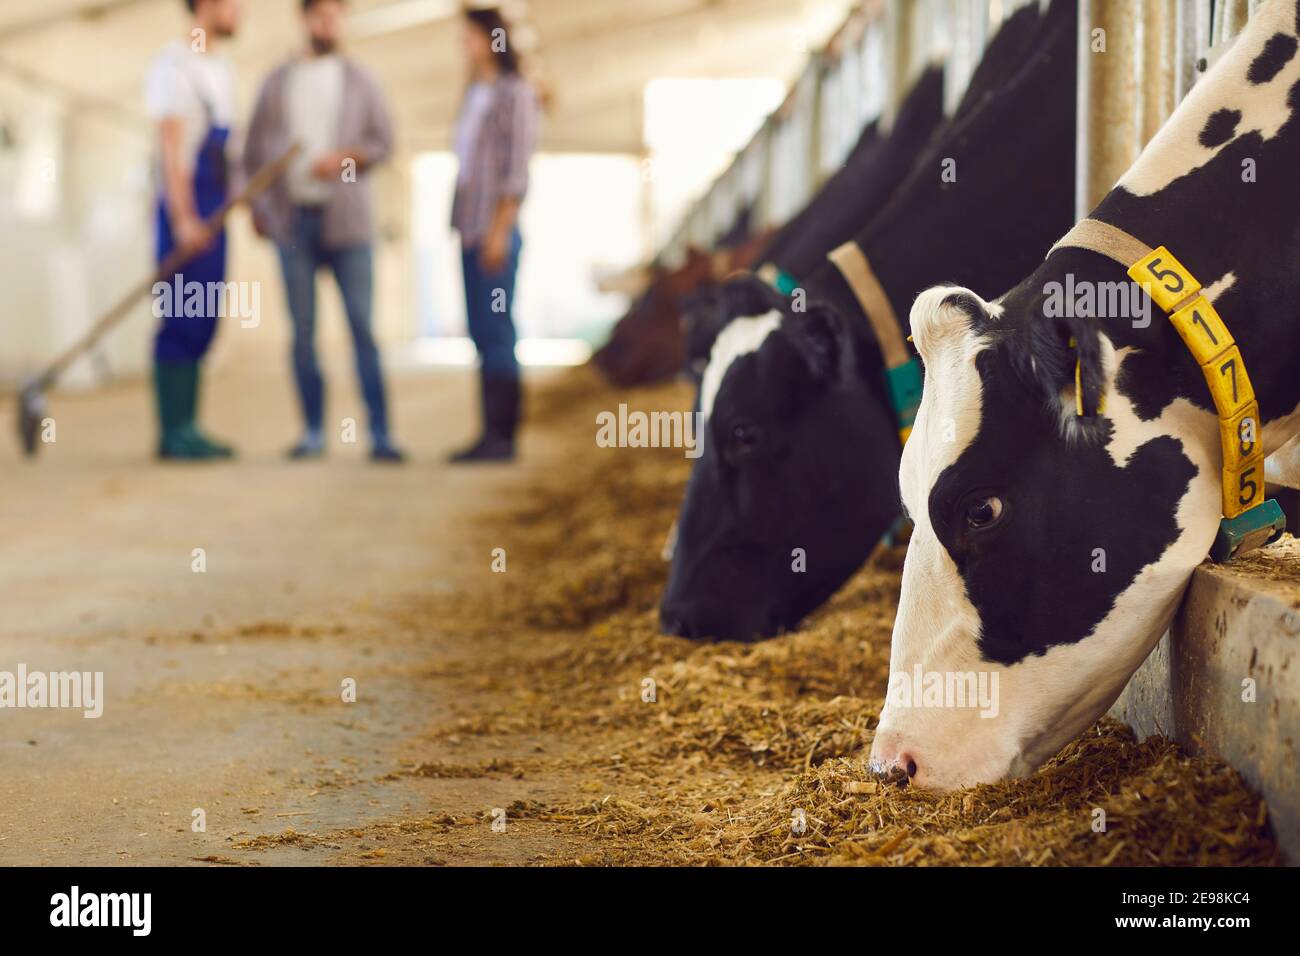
190, 94
496, 133
319, 214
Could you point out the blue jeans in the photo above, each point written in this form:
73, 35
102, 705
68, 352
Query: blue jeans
489, 304
353, 269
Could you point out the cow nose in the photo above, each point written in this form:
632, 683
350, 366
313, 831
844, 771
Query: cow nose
671, 623
896, 771
689, 619
699, 621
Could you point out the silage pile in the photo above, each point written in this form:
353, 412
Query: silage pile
753, 753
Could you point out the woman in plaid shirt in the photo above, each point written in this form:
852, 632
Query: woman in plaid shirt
496, 133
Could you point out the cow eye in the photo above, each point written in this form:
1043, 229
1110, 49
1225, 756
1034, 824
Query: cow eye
983, 512
746, 437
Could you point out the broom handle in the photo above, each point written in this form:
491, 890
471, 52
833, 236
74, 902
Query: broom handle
258, 184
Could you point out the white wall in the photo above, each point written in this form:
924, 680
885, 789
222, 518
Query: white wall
581, 216
73, 228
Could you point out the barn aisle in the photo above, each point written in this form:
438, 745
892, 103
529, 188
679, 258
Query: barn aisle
535, 716
222, 688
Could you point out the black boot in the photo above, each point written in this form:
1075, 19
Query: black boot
506, 408
501, 399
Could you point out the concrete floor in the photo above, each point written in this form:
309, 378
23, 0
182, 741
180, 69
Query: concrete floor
223, 688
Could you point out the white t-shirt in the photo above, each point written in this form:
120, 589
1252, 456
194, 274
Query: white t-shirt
314, 100
478, 100
197, 88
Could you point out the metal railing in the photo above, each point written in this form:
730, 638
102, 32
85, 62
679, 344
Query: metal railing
1151, 53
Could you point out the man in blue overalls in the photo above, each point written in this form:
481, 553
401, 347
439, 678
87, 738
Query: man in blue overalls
191, 95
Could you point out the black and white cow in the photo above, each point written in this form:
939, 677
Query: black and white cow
843, 200
855, 193
1051, 548
798, 476
850, 197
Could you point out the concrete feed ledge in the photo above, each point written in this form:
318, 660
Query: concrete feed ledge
1226, 679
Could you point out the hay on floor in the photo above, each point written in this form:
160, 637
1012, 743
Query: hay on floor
752, 754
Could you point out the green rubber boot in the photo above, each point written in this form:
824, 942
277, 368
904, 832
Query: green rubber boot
176, 386
207, 447
170, 387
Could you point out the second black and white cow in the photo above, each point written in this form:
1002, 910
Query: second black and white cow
855, 193
1065, 471
798, 476
852, 196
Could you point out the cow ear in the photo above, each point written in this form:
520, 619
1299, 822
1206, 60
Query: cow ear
746, 294
710, 309
944, 314
822, 337
699, 303
1066, 361
702, 319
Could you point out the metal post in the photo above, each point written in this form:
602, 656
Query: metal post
969, 35
875, 85
1158, 26
818, 69
1186, 45
1108, 96
1230, 18
898, 48
767, 202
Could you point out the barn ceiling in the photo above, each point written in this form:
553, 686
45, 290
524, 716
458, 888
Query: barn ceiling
595, 55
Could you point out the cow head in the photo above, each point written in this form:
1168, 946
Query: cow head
796, 472
1050, 549
698, 269
704, 315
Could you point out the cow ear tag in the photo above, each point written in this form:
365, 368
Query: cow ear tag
778, 279
1078, 379
900, 532
1078, 385
905, 383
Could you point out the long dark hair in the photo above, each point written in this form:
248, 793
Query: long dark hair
489, 20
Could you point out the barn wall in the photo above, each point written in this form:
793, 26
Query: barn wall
75, 228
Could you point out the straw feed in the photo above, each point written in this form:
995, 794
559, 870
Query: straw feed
693, 753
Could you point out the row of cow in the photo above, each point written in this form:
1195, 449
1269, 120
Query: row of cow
1064, 469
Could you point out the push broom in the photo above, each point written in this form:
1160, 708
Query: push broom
31, 401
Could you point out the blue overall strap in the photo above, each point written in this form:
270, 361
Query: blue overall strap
188, 326
211, 178
212, 168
